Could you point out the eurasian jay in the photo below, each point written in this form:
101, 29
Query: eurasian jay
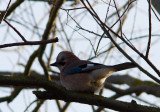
83, 75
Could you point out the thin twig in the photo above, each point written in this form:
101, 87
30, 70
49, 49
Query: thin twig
30, 105
59, 105
123, 13
65, 107
22, 37
118, 17
72, 8
150, 30
29, 43
4, 16
107, 11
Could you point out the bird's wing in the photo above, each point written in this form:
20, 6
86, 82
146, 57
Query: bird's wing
85, 67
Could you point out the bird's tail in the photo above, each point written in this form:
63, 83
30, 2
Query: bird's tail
123, 66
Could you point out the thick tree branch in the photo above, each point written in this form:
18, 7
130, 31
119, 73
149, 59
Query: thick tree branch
135, 86
95, 100
57, 92
131, 81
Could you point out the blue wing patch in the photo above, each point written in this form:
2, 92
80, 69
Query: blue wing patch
83, 68
74, 70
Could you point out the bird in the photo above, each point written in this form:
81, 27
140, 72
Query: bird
83, 75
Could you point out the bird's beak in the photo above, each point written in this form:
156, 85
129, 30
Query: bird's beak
54, 64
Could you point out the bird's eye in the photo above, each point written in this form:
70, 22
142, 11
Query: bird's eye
62, 63
62, 59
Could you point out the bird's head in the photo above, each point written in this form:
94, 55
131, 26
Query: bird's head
64, 58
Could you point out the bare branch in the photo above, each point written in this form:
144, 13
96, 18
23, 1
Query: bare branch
4, 16
29, 43
95, 100
150, 30
15, 30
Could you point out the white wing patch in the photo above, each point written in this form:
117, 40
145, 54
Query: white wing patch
88, 66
